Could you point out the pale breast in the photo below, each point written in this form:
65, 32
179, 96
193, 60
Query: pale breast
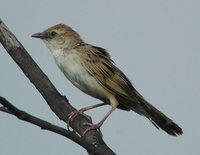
71, 65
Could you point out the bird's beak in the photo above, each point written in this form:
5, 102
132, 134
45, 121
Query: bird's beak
38, 35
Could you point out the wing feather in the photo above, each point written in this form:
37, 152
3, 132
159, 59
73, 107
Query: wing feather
99, 64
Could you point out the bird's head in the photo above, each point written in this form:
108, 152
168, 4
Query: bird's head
59, 37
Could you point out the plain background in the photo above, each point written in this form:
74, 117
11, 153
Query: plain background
155, 43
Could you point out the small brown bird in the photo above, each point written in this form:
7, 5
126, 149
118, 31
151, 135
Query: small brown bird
92, 70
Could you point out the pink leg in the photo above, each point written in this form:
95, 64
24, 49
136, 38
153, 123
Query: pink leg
74, 114
98, 125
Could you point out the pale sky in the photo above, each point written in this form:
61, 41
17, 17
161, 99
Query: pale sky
155, 43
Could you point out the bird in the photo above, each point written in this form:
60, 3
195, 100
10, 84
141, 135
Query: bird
91, 69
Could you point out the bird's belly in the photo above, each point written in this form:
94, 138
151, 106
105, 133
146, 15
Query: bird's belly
79, 77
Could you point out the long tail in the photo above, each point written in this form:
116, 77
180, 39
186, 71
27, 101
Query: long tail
156, 117
162, 121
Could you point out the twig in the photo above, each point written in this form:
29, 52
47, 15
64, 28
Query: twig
22, 115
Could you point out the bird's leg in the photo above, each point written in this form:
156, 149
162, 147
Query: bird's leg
74, 114
98, 125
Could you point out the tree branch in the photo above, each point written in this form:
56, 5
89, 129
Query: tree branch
22, 115
58, 103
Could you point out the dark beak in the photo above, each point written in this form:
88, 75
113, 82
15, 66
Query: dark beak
38, 35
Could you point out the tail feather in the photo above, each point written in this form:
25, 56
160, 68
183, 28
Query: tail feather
162, 121
157, 118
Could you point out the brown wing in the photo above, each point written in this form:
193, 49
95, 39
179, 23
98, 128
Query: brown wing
99, 64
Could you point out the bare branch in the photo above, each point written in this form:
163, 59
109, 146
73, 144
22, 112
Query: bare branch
4, 109
58, 103
22, 115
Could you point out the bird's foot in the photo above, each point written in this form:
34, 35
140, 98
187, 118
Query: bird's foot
73, 115
92, 127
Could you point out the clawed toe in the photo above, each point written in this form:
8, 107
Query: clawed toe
72, 116
91, 127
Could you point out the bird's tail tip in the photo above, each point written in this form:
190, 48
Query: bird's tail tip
173, 129
162, 121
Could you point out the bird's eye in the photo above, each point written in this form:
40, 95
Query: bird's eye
53, 33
